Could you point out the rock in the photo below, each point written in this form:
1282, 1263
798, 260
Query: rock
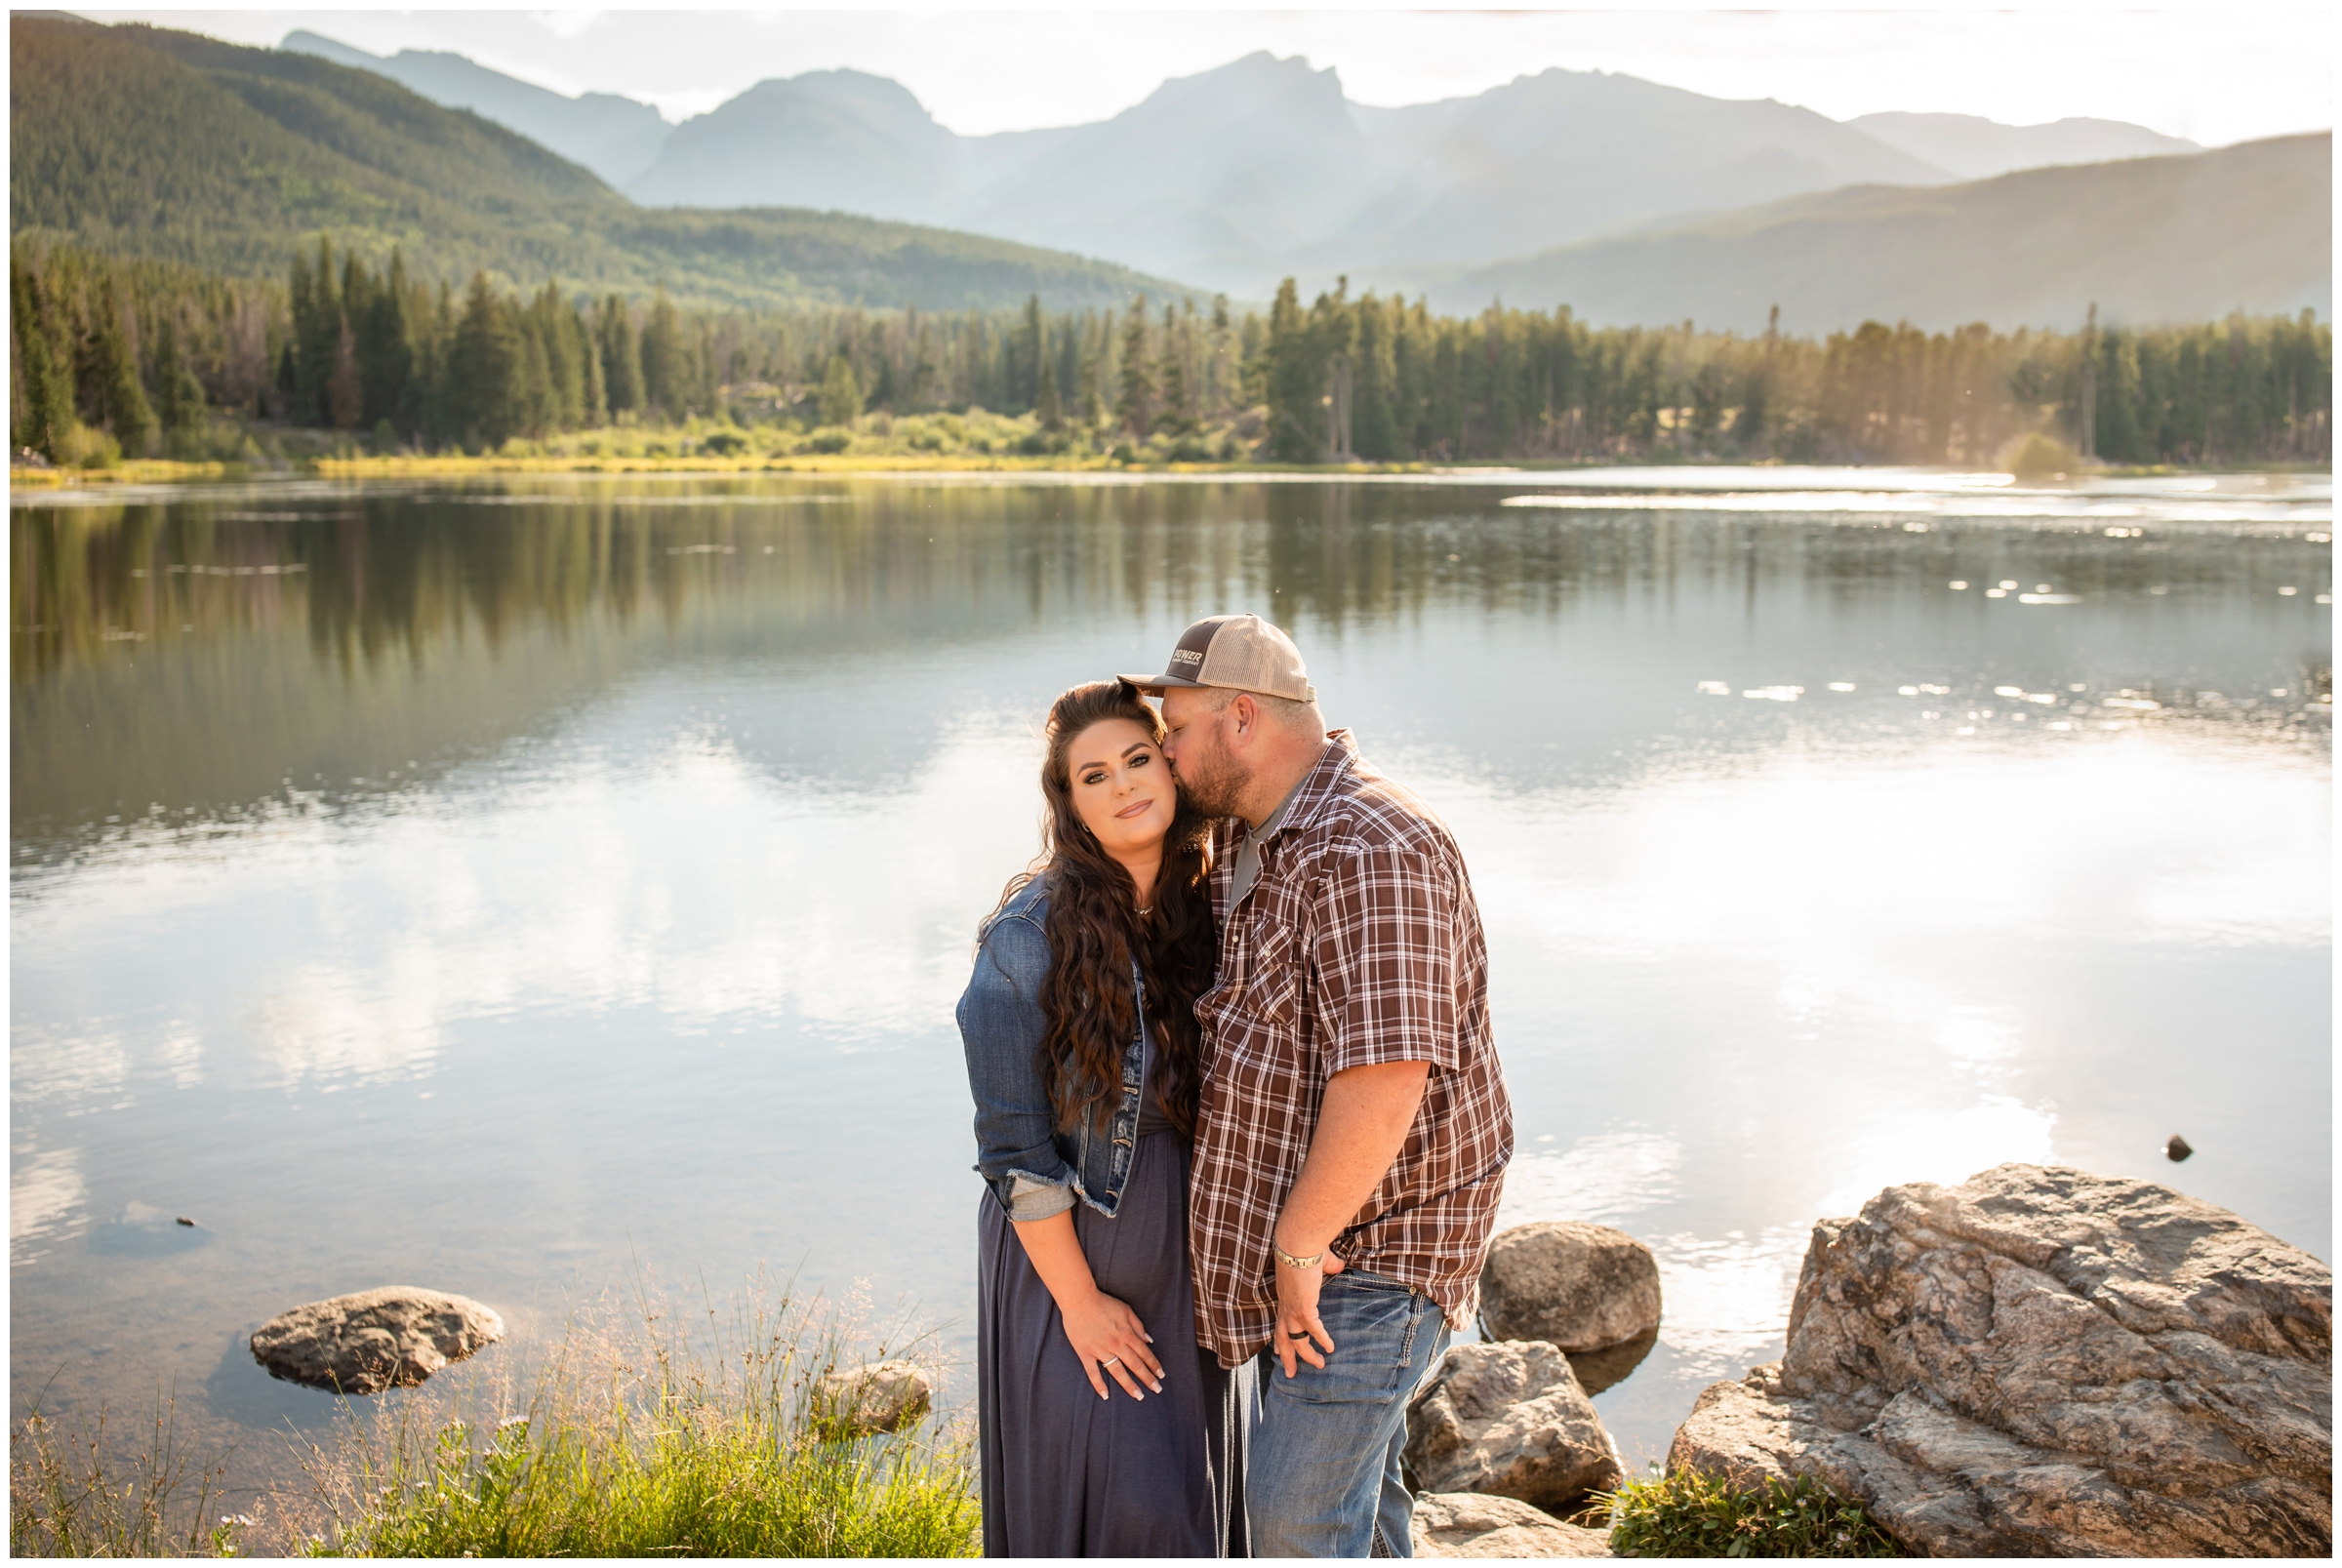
1576, 1286
396, 1336
880, 1396
2040, 1362
1607, 1368
1507, 1418
1472, 1524
2178, 1148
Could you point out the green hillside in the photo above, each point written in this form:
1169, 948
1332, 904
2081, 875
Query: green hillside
138, 140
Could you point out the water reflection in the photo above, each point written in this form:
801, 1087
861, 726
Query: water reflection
489, 885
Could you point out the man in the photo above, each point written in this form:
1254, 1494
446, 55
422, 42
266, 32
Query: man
1354, 1127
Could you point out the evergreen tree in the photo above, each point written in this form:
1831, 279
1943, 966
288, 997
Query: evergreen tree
1026, 390
385, 348
43, 385
344, 392
484, 390
841, 393
316, 335
1178, 412
667, 373
1045, 403
1296, 381
177, 394
1134, 408
622, 356
111, 394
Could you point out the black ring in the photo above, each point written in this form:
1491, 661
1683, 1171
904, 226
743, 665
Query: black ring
1297, 1334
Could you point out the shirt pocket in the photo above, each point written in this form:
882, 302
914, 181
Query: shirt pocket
1273, 977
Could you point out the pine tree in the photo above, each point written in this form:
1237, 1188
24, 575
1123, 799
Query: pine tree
316, 334
177, 394
1179, 415
667, 374
111, 394
1026, 391
1134, 408
484, 369
1296, 381
385, 352
43, 386
345, 393
1045, 403
841, 393
622, 356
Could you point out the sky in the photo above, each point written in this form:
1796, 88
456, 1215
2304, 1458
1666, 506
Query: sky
2213, 76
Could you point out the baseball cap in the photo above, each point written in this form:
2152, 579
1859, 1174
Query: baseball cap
1241, 653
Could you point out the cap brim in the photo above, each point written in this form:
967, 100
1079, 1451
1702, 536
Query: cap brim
1155, 684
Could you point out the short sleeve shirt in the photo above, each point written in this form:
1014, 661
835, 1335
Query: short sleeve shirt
1359, 942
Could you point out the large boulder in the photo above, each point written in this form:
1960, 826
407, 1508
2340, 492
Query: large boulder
373, 1340
1473, 1524
878, 1396
1509, 1419
1574, 1285
2041, 1362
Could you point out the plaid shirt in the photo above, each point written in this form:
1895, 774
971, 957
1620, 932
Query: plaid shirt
1359, 943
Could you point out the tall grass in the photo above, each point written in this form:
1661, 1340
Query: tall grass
643, 1434
76, 1491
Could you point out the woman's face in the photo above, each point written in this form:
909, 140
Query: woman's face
1122, 790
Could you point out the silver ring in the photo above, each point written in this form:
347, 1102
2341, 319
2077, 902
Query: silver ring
1109, 1361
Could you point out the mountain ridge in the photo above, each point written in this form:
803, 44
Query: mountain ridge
139, 140
2147, 240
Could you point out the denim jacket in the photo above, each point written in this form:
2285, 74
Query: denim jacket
1034, 1167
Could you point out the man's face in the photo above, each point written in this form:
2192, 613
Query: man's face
1196, 747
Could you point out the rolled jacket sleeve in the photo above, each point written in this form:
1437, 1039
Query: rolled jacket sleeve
1000, 1026
1386, 961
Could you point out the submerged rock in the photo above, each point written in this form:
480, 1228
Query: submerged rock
1510, 1418
1576, 1286
1473, 1524
880, 1396
2041, 1362
373, 1340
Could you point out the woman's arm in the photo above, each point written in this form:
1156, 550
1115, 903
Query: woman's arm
1101, 1329
1001, 1023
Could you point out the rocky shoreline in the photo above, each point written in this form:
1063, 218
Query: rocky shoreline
2037, 1362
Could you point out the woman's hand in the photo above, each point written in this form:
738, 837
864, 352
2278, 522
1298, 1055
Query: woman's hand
1108, 1337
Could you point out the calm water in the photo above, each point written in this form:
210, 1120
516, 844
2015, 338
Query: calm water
485, 886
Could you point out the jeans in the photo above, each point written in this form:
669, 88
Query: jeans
1322, 1479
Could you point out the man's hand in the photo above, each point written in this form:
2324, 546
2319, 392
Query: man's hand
1298, 1329
1361, 1125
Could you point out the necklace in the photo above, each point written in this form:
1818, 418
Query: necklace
1143, 909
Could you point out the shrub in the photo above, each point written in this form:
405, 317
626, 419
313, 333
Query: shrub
724, 443
1691, 1514
828, 438
2040, 457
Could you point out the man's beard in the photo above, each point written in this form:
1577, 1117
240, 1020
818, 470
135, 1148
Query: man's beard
1214, 785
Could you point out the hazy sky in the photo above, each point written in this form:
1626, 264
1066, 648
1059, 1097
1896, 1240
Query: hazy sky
2217, 77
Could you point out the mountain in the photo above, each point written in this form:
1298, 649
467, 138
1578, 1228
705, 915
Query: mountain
141, 141
2148, 239
1565, 155
1262, 166
615, 137
828, 139
1976, 149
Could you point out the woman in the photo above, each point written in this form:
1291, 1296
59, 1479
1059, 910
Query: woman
1104, 1431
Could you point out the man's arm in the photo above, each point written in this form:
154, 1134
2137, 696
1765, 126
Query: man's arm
1362, 1126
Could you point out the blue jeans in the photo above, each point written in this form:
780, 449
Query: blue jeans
1322, 1476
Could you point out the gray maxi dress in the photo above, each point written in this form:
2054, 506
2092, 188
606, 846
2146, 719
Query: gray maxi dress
1065, 1474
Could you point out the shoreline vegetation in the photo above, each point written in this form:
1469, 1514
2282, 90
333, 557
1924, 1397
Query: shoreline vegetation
117, 364
654, 1428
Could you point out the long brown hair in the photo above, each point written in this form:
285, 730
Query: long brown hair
1094, 930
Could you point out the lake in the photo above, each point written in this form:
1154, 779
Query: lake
504, 885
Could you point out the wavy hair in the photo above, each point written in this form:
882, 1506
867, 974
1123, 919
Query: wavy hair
1095, 930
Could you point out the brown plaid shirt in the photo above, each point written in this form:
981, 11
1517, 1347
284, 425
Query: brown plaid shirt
1359, 943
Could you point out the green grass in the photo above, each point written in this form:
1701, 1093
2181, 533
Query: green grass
74, 1493
650, 1439
642, 1434
1690, 1515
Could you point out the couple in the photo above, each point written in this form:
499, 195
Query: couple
1240, 1120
